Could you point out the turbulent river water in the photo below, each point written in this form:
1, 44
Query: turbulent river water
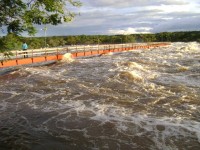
141, 99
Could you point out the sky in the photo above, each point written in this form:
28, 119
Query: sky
100, 17
132, 16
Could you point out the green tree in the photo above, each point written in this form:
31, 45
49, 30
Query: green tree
130, 38
71, 40
35, 43
10, 42
21, 15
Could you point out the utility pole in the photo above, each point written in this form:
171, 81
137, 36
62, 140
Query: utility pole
45, 36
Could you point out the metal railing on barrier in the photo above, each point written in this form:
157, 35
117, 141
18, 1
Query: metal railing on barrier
32, 53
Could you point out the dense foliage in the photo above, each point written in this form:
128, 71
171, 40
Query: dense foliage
12, 41
21, 15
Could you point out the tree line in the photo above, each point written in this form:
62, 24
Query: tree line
13, 41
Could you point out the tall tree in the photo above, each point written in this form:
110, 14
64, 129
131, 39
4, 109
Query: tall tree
21, 15
10, 42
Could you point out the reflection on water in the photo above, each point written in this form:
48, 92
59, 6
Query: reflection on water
143, 99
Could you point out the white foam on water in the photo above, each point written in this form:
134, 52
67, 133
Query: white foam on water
5, 102
135, 71
39, 71
164, 62
194, 46
164, 127
46, 73
109, 54
136, 51
189, 48
191, 107
154, 87
134, 65
127, 122
152, 76
159, 129
184, 49
131, 75
68, 58
181, 68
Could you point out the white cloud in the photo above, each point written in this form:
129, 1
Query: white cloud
132, 3
132, 16
180, 24
130, 30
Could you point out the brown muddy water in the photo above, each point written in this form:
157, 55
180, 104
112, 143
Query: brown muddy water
141, 99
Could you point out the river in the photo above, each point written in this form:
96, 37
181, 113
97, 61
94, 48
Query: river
140, 99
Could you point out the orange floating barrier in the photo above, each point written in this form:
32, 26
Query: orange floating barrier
38, 56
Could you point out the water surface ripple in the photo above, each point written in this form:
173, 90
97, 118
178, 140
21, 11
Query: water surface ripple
141, 99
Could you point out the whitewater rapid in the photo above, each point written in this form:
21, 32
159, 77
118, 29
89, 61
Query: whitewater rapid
141, 99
